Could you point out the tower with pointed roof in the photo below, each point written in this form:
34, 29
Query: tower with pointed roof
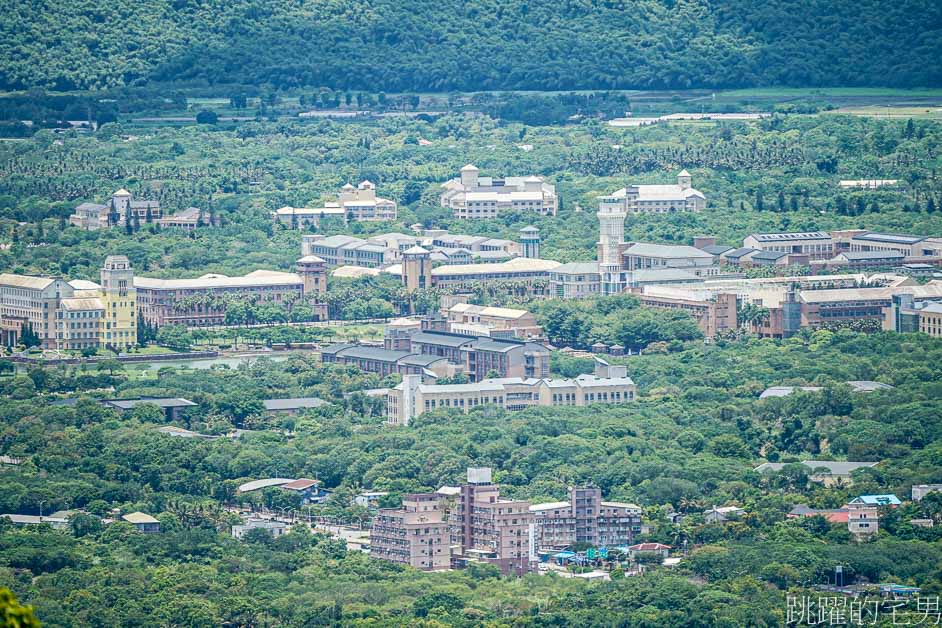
684, 180
469, 176
530, 239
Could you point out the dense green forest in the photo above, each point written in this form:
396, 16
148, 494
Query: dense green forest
689, 443
424, 45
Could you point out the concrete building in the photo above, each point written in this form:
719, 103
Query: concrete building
473, 197
921, 490
189, 220
353, 204
495, 321
121, 206
142, 522
71, 315
814, 244
416, 534
575, 280
826, 472
660, 199
416, 269
863, 521
202, 301
530, 240
714, 315
585, 518
411, 398
486, 528
271, 527
643, 256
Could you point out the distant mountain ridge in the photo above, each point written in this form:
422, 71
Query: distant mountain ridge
442, 45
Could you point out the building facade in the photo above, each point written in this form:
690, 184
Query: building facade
585, 518
473, 197
116, 212
416, 534
353, 204
659, 199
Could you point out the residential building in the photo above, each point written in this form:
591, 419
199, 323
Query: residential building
826, 472
293, 405
121, 206
416, 534
833, 515
863, 522
273, 528
189, 220
660, 199
649, 548
930, 319
370, 499
473, 197
477, 356
911, 246
411, 398
921, 490
722, 514
814, 244
489, 529
353, 204
585, 518
309, 491
71, 315
888, 500
57, 523
143, 522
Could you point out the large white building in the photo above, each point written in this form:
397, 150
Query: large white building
353, 204
411, 398
655, 199
472, 197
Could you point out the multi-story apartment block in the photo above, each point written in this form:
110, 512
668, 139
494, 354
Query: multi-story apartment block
862, 521
121, 206
814, 244
585, 518
416, 534
660, 199
353, 204
471, 196
71, 315
488, 529
576, 280
412, 398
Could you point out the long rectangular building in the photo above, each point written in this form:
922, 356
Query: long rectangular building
411, 398
416, 534
585, 518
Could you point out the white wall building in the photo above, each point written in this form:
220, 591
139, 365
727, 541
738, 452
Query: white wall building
656, 199
472, 197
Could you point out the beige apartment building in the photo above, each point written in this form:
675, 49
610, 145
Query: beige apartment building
486, 528
473, 197
658, 199
416, 534
814, 244
585, 518
353, 204
494, 321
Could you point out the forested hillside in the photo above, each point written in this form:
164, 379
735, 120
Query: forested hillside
438, 45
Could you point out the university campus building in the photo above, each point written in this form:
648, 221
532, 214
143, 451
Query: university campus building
473, 197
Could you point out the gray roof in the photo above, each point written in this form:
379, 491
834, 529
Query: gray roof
664, 250
893, 238
335, 241
737, 253
577, 268
372, 353
417, 359
497, 344
336, 348
442, 338
127, 404
295, 403
834, 467
769, 255
788, 237
717, 249
867, 255
663, 274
